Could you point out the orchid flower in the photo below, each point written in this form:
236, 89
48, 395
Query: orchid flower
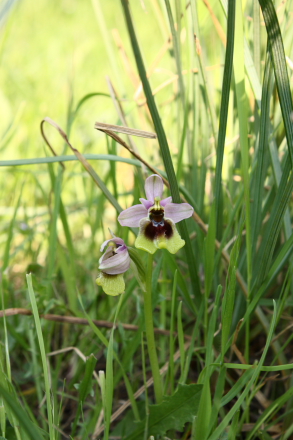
112, 265
156, 218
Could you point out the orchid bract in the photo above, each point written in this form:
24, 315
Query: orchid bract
156, 218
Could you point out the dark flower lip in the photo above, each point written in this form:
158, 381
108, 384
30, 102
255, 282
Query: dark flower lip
154, 230
163, 235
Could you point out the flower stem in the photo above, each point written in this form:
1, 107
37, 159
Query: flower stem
149, 326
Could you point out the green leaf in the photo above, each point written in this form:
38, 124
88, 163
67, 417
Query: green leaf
172, 413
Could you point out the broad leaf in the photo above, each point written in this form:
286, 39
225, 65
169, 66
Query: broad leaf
172, 413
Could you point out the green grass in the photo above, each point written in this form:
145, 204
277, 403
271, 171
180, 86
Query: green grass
74, 362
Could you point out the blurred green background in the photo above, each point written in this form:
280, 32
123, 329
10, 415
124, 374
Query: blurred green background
57, 58
53, 54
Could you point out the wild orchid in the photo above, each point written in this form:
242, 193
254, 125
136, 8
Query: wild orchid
112, 265
156, 218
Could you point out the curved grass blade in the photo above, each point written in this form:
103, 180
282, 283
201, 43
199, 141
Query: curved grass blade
83, 161
88, 96
72, 114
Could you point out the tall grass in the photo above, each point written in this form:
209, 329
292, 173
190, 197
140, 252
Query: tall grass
213, 80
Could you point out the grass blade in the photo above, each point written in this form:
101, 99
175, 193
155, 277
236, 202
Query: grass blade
260, 169
43, 355
277, 52
42, 160
176, 52
28, 427
222, 426
227, 75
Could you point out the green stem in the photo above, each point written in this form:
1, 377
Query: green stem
149, 327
